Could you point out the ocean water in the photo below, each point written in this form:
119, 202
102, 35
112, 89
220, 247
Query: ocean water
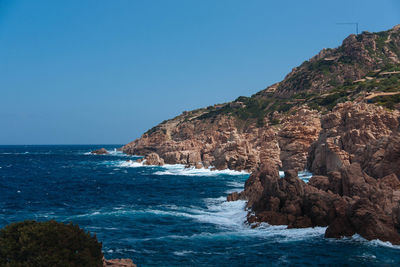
162, 216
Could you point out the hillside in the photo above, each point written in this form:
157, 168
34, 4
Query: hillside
280, 122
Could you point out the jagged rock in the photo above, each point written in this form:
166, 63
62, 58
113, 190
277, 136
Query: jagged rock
101, 151
153, 159
357, 133
358, 190
220, 143
299, 131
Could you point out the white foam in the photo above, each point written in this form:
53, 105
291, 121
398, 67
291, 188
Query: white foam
130, 164
18, 153
113, 152
235, 184
183, 252
374, 243
179, 169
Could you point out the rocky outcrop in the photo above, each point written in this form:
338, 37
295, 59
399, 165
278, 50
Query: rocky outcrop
101, 151
299, 131
222, 143
152, 159
361, 133
357, 189
205, 143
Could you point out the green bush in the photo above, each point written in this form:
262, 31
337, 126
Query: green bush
32, 243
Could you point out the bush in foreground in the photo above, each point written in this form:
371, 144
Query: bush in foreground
32, 243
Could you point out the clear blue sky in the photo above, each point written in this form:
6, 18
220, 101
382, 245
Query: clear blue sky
84, 72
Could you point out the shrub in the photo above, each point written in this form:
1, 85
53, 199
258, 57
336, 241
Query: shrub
32, 243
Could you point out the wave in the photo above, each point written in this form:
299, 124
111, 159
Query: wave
113, 152
179, 169
130, 164
18, 153
374, 243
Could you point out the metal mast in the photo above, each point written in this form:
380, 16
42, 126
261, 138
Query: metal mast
350, 23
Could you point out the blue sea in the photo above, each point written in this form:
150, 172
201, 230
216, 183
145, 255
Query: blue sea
162, 216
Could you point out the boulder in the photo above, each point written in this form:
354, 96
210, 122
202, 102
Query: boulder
153, 159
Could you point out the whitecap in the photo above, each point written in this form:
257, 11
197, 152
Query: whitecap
182, 170
130, 164
113, 152
183, 252
374, 243
235, 184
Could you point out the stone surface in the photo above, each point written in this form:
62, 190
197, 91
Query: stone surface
152, 159
220, 143
357, 189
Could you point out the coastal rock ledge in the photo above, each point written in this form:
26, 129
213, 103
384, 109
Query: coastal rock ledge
356, 187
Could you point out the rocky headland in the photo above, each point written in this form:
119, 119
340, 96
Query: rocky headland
336, 115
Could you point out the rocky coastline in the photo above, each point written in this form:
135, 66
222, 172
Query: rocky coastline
356, 189
337, 115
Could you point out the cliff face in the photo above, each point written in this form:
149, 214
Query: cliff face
357, 157
222, 143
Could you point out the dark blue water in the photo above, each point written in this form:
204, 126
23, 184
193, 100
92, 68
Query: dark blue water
161, 216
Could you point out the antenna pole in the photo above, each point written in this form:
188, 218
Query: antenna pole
350, 23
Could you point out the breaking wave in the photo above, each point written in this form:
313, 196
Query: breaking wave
179, 169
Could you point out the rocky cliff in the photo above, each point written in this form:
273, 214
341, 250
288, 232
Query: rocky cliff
336, 114
357, 189
280, 123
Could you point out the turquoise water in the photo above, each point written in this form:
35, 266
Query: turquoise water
162, 216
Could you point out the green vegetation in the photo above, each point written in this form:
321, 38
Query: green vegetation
32, 243
319, 83
388, 101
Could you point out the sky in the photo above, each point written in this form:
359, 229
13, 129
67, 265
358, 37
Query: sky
104, 72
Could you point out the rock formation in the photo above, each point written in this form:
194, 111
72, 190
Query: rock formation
101, 151
221, 143
152, 159
356, 189
336, 114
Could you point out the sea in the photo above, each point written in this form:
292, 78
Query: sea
163, 216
